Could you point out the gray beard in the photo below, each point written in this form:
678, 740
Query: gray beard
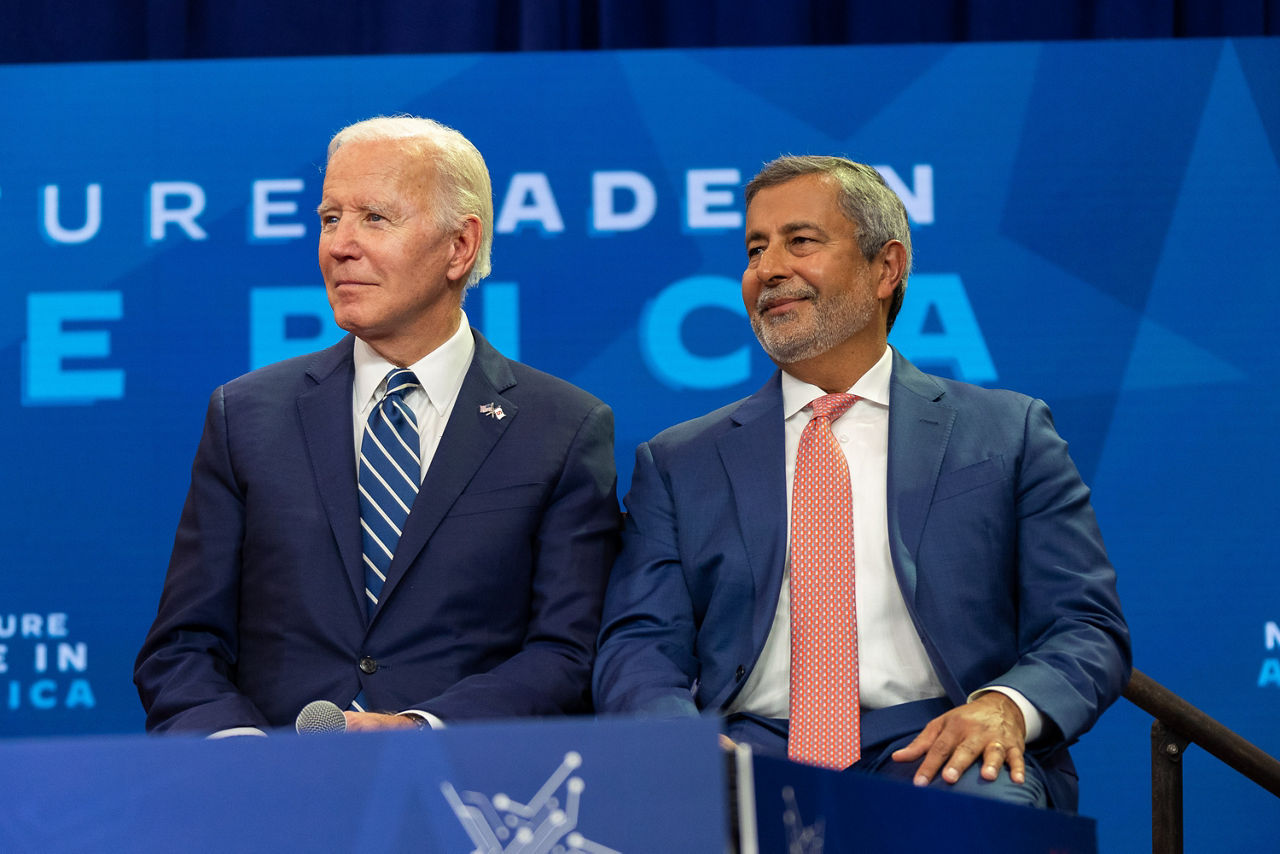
835, 319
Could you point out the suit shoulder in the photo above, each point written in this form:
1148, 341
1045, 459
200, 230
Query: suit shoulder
280, 378
531, 381
962, 392
986, 416
961, 395
703, 428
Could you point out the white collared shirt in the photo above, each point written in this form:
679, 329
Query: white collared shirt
440, 374
893, 666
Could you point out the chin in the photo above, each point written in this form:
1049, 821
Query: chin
349, 321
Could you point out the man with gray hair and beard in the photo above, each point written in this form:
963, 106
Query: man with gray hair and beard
408, 524
862, 566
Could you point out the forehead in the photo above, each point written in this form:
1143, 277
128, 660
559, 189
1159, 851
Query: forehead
811, 198
383, 168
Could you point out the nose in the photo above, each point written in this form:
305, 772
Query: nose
772, 267
340, 240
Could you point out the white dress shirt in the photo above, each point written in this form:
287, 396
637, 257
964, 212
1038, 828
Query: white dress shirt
440, 374
893, 666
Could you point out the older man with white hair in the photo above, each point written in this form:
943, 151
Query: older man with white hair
406, 524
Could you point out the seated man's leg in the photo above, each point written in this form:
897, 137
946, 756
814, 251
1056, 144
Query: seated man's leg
887, 730
1031, 793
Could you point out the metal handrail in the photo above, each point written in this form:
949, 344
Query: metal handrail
1178, 724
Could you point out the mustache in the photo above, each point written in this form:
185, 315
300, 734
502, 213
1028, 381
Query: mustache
782, 293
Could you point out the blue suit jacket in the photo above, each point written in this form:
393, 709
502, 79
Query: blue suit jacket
993, 541
492, 602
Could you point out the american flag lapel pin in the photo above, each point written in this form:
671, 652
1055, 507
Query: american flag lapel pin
493, 411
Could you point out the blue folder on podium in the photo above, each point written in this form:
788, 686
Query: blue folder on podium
571, 786
801, 809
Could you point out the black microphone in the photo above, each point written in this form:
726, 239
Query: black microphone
321, 716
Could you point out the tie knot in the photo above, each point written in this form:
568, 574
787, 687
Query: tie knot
399, 381
832, 406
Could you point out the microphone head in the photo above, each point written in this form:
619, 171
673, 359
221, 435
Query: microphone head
321, 716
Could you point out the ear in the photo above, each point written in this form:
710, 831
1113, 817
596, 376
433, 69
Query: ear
890, 264
465, 246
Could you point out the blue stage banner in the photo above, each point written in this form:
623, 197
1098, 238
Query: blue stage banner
1095, 224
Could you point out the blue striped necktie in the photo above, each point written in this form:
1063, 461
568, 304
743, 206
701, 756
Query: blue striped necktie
390, 471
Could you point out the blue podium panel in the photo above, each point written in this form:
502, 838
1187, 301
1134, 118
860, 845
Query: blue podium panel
558, 787
801, 809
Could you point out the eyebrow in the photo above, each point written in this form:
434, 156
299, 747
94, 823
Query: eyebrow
788, 229
379, 208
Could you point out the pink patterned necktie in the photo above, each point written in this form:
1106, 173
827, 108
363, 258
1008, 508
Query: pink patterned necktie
824, 727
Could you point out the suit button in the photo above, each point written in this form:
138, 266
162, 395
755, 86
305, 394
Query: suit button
368, 665
742, 671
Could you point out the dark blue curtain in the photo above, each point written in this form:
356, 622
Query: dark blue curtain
74, 30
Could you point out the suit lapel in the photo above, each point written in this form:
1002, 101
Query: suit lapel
325, 413
758, 480
467, 440
919, 428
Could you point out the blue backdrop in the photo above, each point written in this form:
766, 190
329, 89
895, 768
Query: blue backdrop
1095, 224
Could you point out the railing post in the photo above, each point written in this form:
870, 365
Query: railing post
1167, 747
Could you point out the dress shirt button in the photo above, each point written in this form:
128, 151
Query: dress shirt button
843, 438
368, 665
741, 671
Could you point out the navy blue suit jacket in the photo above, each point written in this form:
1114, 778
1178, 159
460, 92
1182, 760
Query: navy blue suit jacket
991, 533
491, 605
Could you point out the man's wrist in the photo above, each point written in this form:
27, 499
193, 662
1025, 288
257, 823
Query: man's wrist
1032, 721
420, 723
424, 720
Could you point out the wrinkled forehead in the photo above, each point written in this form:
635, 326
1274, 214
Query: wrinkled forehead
805, 198
377, 168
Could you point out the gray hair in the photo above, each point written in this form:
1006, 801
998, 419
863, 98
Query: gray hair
464, 179
864, 199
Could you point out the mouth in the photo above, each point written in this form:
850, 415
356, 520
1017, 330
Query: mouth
773, 305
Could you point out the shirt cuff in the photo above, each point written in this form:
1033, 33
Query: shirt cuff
1031, 716
235, 731
430, 719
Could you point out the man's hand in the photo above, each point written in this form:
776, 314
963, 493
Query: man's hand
990, 727
372, 722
